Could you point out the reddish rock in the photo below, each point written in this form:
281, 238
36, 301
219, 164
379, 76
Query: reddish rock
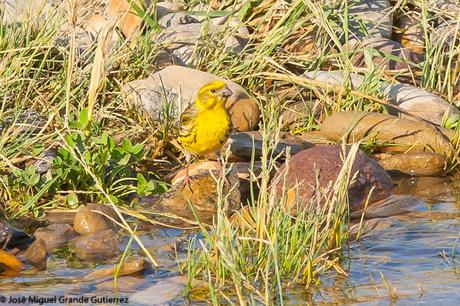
304, 166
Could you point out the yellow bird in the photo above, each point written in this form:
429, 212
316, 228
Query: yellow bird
205, 125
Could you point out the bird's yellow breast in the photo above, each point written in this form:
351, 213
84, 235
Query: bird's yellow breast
210, 130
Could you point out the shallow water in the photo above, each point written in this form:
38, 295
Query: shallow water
407, 259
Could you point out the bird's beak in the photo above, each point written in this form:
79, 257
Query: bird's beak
227, 93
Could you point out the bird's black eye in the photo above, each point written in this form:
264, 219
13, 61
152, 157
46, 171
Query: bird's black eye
213, 90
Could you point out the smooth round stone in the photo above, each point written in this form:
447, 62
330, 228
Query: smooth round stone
55, 235
95, 247
180, 85
88, 220
416, 164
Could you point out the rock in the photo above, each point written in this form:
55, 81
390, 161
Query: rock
129, 267
36, 253
187, 36
446, 33
450, 6
12, 237
93, 26
390, 133
413, 100
242, 170
202, 196
416, 164
374, 14
55, 235
45, 164
411, 33
88, 221
314, 137
161, 293
97, 246
335, 77
248, 173
306, 45
178, 18
386, 47
294, 114
29, 122
304, 167
179, 85
372, 227
244, 114
60, 216
128, 20
17, 11
124, 284
243, 144
391, 206
6, 233
417, 102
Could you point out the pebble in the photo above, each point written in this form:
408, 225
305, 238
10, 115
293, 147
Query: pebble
375, 15
88, 221
55, 235
94, 247
36, 253
129, 267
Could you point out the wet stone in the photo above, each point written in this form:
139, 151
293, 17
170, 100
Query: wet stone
88, 220
98, 246
60, 216
124, 284
55, 235
129, 267
394, 205
36, 253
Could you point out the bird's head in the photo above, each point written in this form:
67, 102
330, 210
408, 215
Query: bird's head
213, 94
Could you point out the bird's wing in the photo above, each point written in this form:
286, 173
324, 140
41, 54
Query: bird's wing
187, 120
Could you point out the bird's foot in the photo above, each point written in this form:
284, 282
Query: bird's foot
188, 182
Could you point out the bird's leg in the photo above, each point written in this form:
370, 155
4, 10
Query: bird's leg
187, 180
7, 240
222, 169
